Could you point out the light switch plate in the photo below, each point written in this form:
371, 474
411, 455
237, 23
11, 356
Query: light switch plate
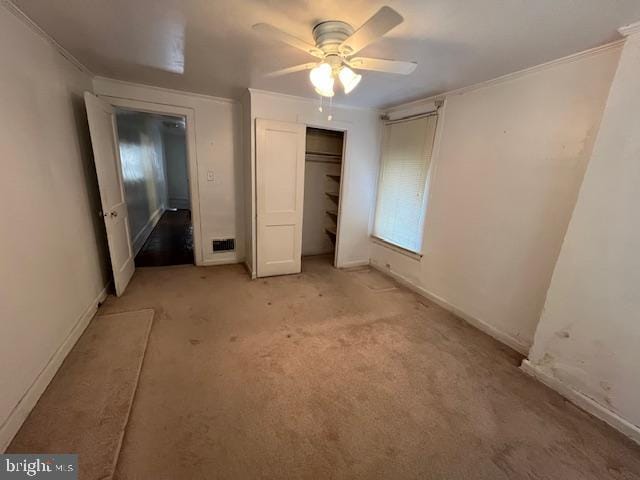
210, 176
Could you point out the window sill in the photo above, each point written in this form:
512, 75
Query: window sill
396, 248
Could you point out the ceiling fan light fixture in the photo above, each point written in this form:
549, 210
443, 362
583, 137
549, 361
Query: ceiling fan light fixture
325, 93
349, 79
322, 79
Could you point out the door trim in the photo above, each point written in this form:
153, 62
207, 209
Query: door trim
192, 159
344, 127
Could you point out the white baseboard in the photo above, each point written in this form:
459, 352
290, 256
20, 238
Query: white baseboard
517, 344
222, 261
143, 234
251, 273
20, 412
583, 401
354, 263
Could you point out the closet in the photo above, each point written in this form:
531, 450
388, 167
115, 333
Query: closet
323, 169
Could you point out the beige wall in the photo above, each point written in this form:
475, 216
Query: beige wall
52, 240
507, 169
589, 336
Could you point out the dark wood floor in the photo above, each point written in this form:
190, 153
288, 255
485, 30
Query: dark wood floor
170, 242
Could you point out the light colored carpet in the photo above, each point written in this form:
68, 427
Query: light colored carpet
86, 406
319, 375
330, 375
373, 279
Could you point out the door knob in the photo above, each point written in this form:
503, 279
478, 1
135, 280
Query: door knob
114, 214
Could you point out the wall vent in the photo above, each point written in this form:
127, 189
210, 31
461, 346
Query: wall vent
224, 245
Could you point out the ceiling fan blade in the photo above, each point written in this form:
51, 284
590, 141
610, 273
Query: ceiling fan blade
294, 69
384, 20
278, 34
382, 65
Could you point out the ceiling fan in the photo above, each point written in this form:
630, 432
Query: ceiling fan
336, 43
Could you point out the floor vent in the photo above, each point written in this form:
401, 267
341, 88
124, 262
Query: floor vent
224, 245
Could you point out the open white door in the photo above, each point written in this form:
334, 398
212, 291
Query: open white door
279, 195
106, 154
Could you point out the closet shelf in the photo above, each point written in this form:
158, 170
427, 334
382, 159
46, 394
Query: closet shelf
333, 196
333, 215
322, 159
334, 177
331, 231
324, 154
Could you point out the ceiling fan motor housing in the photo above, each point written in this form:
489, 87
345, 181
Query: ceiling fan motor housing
329, 35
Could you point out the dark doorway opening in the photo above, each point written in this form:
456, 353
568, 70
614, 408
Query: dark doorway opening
153, 153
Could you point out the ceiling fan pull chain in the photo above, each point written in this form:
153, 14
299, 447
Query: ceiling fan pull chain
330, 116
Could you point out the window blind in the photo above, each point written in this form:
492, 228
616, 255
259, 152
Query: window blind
402, 188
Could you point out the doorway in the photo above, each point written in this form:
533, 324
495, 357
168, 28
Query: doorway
155, 176
289, 200
322, 184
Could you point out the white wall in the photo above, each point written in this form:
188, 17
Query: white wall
360, 163
508, 164
175, 159
143, 172
218, 150
53, 245
588, 339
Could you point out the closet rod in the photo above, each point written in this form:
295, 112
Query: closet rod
410, 117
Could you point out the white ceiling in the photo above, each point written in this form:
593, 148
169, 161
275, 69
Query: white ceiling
209, 46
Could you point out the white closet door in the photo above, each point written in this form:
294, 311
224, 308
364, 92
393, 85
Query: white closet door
279, 196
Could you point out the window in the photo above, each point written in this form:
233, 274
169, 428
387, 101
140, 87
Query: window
402, 189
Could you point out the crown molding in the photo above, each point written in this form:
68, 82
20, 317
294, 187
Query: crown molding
20, 15
512, 76
629, 30
169, 91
